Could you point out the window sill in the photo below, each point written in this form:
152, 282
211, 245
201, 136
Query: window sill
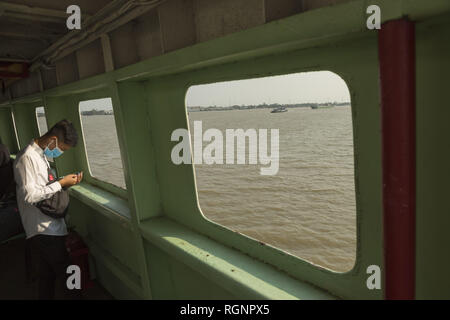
104, 202
236, 272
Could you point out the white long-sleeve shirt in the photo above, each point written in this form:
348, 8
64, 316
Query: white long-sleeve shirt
31, 175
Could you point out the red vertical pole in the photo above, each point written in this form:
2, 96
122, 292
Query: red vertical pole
396, 41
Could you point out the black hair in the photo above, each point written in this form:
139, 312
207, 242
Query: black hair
65, 131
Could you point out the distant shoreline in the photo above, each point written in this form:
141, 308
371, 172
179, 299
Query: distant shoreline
229, 108
88, 113
267, 106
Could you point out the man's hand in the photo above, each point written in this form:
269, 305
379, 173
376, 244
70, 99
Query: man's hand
79, 176
69, 180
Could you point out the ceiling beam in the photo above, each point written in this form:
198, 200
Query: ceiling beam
113, 15
21, 8
107, 10
9, 59
31, 13
32, 17
52, 28
41, 37
29, 28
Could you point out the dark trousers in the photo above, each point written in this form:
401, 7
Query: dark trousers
49, 262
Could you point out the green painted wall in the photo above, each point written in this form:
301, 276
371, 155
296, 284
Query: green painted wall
26, 122
356, 62
7, 133
433, 159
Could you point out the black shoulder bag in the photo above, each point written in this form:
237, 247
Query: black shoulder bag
57, 205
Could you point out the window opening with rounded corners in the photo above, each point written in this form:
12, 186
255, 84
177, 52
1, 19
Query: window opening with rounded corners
305, 203
100, 138
42, 124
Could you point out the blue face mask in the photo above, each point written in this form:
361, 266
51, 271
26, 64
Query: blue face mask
55, 153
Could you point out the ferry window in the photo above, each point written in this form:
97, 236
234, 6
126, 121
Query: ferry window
15, 130
302, 201
42, 124
41, 120
100, 138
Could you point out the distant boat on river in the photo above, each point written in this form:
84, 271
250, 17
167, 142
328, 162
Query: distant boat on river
279, 109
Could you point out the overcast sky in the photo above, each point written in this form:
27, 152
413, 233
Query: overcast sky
321, 86
99, 104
